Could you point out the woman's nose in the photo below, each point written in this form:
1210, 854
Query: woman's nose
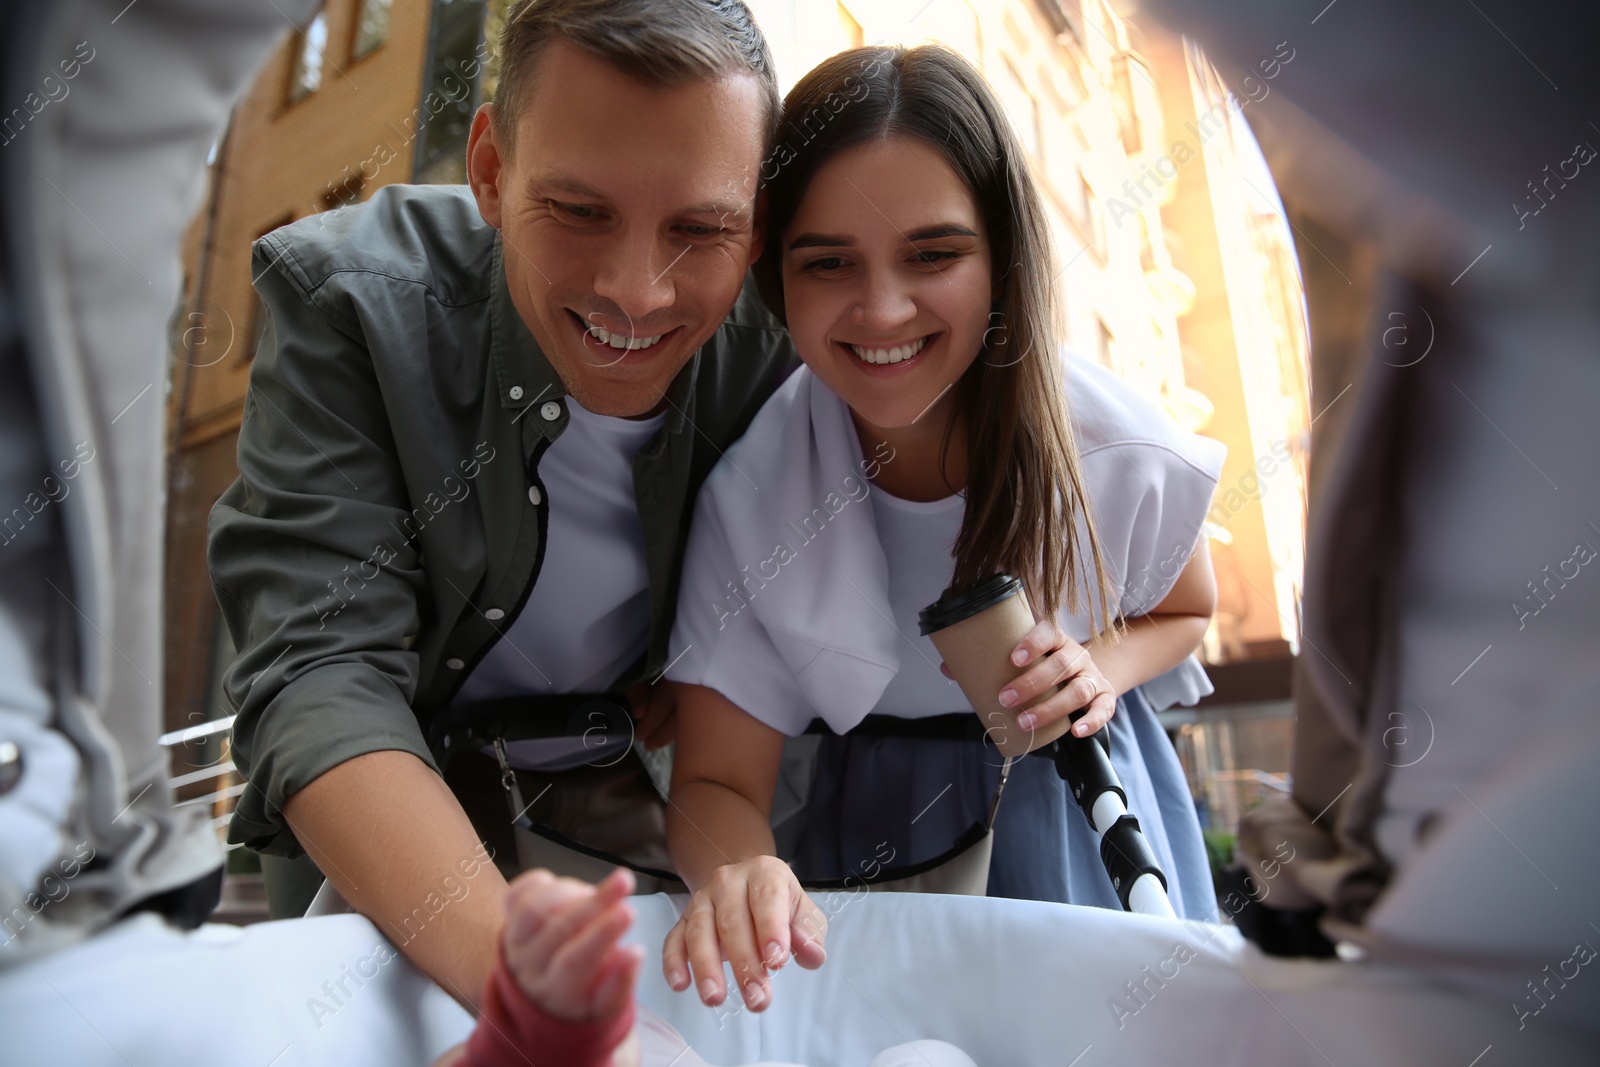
884, 304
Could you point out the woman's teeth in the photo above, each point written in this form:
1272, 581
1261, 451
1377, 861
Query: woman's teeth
889, 355
617, 340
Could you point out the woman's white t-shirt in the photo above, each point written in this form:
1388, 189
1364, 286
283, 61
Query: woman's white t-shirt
802, 583
917, 540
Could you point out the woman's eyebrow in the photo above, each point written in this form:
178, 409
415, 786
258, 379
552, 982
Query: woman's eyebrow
943, 229
820, 240
926, 233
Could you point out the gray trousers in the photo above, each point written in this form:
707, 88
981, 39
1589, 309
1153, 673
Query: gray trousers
99, 183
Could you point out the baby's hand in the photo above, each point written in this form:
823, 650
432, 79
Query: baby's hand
561, 944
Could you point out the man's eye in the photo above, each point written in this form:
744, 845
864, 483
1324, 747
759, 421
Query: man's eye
575, 211
701, 231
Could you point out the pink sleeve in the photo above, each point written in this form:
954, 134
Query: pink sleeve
513, 1031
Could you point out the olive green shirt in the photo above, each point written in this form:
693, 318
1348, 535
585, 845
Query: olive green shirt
381, 535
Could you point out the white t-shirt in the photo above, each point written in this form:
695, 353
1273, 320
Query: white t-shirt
797, 602
588, 616
918, 540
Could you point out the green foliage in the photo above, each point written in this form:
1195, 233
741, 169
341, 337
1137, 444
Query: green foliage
1219, 851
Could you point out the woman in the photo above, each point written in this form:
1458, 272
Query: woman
926, 444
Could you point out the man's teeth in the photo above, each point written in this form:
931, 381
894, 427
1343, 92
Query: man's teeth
617, 340
889, 355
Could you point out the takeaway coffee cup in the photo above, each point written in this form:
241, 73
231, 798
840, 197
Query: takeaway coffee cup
975, 631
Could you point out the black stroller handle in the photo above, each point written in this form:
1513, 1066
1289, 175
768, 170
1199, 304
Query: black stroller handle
1084, 763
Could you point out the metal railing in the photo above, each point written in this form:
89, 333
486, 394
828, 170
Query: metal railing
243, 894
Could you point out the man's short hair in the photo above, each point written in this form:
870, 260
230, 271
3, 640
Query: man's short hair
663, 42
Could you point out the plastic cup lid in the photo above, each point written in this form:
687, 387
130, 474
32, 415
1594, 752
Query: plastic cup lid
953, 607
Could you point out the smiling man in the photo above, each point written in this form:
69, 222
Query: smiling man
474, 432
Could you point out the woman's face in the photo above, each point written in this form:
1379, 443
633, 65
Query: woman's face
886, 279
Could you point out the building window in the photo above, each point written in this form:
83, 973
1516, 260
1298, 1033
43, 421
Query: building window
1094, 214
1102, 21
494, 22
1147, 249
1132, 136
372, 26
343, 194
1020, 106
853, 37
1062, 158
307, 75
1063, 17
450, 94
1107, 345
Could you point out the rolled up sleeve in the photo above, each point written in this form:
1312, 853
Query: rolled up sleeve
321, 591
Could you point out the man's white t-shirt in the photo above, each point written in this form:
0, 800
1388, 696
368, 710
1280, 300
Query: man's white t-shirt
588, 616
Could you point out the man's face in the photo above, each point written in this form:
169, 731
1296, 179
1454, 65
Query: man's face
628, 217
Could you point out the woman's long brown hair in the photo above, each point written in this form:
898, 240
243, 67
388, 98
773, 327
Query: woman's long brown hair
1024, 482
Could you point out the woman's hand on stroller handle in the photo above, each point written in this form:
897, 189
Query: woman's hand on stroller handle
1051, 658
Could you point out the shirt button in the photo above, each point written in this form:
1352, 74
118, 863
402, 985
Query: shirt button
516, 392
534, 496
551, 411
494, 614
455, 664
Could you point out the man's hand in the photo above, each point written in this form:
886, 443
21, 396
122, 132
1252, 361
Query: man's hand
655, 708
388, 832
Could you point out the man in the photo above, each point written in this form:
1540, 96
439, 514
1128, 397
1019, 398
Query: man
469, 454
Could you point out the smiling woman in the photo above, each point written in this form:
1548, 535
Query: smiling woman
900, 298
911, 265
891, 220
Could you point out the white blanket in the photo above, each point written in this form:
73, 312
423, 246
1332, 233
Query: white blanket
1011, 982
